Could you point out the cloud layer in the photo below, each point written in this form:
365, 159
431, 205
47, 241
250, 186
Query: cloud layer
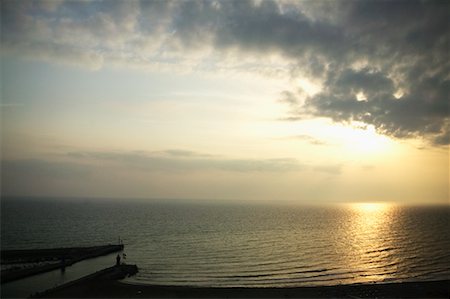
174, 160
170, 173
382, 63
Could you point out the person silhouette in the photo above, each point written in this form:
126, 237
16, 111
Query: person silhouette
117, 260
63, 263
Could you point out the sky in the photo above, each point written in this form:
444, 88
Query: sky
300, 101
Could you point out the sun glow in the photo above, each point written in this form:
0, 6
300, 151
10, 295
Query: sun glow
347, 143
355, 140
365, 141
370, 207
311, 88
399, 94
360, 97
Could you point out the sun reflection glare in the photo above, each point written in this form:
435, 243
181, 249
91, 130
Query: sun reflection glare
370, 232
369, 207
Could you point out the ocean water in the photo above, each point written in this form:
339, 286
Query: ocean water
250, 245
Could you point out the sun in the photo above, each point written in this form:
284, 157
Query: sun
354, 142
364, 141
355, 139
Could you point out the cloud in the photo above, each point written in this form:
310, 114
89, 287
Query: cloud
423, 111
368, 48
309, 139
43, 168
185, 161
174, 160
330, 169
154, 174
58, 53
32, 176
185, 153
392, 49
290, 98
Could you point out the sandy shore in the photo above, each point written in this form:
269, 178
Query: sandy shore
115, 289
104, 285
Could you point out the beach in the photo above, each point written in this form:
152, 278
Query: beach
116, 289
104, 284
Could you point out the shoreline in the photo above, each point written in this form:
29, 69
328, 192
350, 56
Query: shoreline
424, 289
105, 284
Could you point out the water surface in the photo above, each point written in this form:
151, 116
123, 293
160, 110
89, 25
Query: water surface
244, 244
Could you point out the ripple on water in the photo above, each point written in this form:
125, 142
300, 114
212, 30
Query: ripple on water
214, 245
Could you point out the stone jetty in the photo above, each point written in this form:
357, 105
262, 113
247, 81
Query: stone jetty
23, 263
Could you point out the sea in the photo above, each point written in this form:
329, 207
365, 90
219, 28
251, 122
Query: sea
240, 244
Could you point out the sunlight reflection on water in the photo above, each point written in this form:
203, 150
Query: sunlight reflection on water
370, 224
246, 245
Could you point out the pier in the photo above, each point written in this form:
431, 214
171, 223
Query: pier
90, 285
44, 260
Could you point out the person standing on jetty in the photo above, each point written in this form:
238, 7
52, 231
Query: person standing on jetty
63, 263
118, 260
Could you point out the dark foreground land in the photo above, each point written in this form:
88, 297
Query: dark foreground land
43, 260
104, 284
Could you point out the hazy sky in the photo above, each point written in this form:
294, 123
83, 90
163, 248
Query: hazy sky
273, 100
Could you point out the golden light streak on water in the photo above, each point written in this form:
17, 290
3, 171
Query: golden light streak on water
370, 229
246, 245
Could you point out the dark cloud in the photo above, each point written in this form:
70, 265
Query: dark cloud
421, 111
390, 47
264, 29
376, 48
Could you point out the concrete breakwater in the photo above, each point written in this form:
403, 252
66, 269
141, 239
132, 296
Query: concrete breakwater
36, 261
86, 286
